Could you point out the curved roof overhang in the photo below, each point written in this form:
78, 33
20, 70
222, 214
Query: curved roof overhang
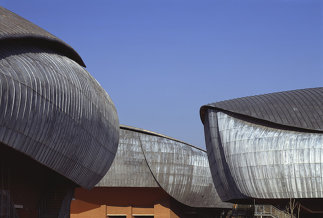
51, 108
149, 159
299, 110
15, 29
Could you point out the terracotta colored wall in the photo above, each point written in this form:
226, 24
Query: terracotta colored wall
122, 196
99, 202
163, 211
82, 209
120, 210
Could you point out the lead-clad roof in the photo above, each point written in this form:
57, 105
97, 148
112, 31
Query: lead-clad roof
54, 111
14, 27
301, 108
148, 159
51, 109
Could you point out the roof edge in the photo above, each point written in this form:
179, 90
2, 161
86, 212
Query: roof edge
42, 41
157, 134
264, 121
255, 120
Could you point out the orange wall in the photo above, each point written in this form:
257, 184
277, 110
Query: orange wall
99, 202
82, 209
122, 196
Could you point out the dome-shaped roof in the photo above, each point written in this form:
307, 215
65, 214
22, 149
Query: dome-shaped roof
301, 108
14, 28
51, 109
148, 159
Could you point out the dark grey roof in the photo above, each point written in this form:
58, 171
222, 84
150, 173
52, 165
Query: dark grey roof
129, 168
15, 28
51, 109
301, 108
54, 111
148, 159
136, 129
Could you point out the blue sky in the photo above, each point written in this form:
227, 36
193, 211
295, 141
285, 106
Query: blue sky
161, 60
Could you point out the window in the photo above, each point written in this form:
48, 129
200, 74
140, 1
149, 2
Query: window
143, 216
117, 216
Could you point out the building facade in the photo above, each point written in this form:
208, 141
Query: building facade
267, 148
152, 175
58, 127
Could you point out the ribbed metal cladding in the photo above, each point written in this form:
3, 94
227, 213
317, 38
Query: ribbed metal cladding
266, 146
54, 111
223, 181
14, 27
297, 108
147, 159
129, 168
271, 163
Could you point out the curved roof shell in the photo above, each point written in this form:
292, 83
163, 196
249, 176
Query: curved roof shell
270, 163
15, 28
148, 159
297, 108
266, 146
51, 108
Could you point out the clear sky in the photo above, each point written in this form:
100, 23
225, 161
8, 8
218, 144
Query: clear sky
161, 60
